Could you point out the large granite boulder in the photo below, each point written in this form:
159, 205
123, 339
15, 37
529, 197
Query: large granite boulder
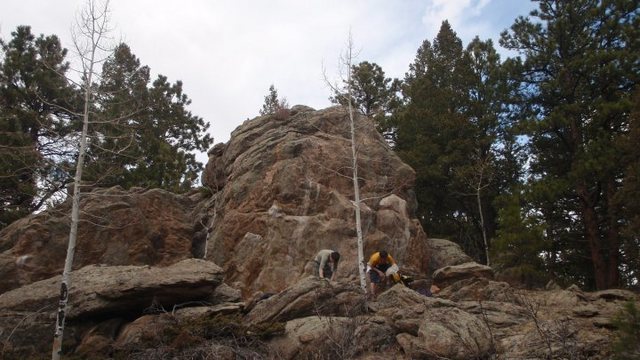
334, 337
310, 296
445, 253
279, 191
101, 300
283, 190
117, 227
450, 274
97, 290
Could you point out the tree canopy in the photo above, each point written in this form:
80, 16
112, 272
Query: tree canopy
580, 68
450, 128
36, 117
145, 136
372, 93
141, 132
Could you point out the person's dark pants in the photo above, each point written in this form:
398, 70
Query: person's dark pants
327, 270
374, 276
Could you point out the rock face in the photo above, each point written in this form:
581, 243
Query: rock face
445, 253
101, 299
135, 227
450, 274
310, 296
98, 290
184, 311
283, 190
146, 284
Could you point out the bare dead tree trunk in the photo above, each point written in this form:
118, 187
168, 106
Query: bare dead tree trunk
480, 177
354, 161
479, 187
346, 60
92, 26
484, 230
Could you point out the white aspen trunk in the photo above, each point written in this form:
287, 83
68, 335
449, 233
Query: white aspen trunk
484, 231
73, 232
478, 189
346, 60
356, 190
356, 186
94, 27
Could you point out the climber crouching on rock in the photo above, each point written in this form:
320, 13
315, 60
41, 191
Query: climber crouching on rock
377, 267
326, 264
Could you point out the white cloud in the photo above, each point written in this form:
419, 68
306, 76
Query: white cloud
465, 16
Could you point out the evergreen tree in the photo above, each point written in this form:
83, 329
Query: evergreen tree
145, 135
427, 124
373, 94
519, 241
627, 200
123, 100
272, 103
581, 66
34, 122
453, 131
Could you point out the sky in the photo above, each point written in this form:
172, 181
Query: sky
228, 52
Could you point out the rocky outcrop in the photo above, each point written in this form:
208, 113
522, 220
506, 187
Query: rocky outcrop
184, 311
498, 321
97, 290
310, 296
283, 190
450, 274
118, 227
279, 191
445, 253
101, 300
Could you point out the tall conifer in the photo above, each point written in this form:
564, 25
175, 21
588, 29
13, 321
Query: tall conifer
581, 66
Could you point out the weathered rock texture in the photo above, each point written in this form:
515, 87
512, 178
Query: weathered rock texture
445, 253
97, 290
283, 190
135, 227
178, 312
101, 299
280, 191
310, 296
450, 274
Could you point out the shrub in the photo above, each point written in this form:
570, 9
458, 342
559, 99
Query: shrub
627, 343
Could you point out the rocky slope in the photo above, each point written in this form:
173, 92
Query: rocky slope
223, 273
185, 311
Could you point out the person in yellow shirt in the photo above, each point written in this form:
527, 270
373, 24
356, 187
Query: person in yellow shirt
377, 266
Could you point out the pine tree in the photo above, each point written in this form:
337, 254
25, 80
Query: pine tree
35, 117
581, 66
627, 200
373, 94
272, 103
453, 130
145, 135
519, 241
431, 133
